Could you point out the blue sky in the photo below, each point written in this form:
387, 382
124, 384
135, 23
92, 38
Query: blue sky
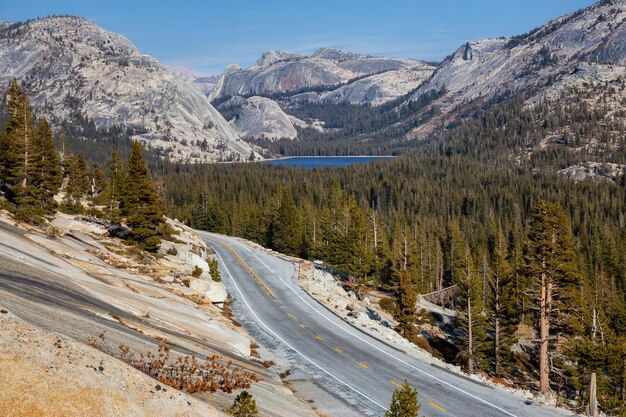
208, 35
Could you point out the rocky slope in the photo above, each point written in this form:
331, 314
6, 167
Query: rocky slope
326, 76
47, 374
205, 82
69, 64
564, 48
279, 73
74, 281
378, 88
260, 117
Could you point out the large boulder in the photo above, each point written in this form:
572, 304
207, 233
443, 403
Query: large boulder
214, 291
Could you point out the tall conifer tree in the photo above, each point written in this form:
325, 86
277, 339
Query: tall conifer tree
20, 157
140, 203
556, 281
49, 176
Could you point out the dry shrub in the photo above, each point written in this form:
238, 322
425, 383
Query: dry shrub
185, 373
93, 343
52, 232
253, 349
265, 364
228, 313
389, 305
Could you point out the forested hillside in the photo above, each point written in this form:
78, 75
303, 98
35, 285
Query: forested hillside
466, 209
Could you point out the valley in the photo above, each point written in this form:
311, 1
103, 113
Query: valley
220, 218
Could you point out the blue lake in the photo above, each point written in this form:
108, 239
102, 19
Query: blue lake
324, 161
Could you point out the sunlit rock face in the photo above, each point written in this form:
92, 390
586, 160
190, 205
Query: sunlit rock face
69, 64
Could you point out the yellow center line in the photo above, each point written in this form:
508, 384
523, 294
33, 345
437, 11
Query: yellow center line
363, 365
319, 337
436, 405
338, 350
245, 265
282, 307
289, 315
302, 325
395, 383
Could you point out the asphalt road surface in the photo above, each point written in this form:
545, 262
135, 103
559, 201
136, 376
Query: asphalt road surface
352, 366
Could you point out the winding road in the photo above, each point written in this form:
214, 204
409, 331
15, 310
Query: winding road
350, 365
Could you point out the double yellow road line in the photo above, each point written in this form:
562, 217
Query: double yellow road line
245, 265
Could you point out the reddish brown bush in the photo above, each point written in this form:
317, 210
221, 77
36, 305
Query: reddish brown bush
185, 373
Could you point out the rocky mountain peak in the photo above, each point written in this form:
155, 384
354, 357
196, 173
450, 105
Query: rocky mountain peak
481, 69
271, 57
70, 65
336, 54
71, 32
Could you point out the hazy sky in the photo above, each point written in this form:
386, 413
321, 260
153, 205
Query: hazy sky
208, 35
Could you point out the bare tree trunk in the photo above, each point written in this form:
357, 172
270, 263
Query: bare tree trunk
26, 146
593, 401
496, 329
544, 331
375, 229
405, 253
470, 335
624, 383
484, 282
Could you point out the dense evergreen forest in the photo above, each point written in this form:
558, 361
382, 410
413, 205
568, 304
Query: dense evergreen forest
469, 209
356, 129
480, 209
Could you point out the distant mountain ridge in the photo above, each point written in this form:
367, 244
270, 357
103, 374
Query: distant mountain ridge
205, 82
481, 70
568, 52
68, 64
325, 76
278, 72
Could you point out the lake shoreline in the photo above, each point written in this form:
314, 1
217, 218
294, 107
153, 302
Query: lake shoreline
310, 162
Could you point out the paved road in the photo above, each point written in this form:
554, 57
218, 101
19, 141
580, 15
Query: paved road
354, 367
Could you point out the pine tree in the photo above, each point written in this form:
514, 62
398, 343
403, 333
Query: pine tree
404, 402
470, 312
49, 176
243, 406
78, 182
407, 314
97, 181
140, 203
117, 179
20, 157
556, 281
284, 233
502, 303
12, 128
406, 293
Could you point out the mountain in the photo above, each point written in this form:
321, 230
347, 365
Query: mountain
278, 73
328, 76
260, 117
205, 82
380, 88
559, 53
69, 65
